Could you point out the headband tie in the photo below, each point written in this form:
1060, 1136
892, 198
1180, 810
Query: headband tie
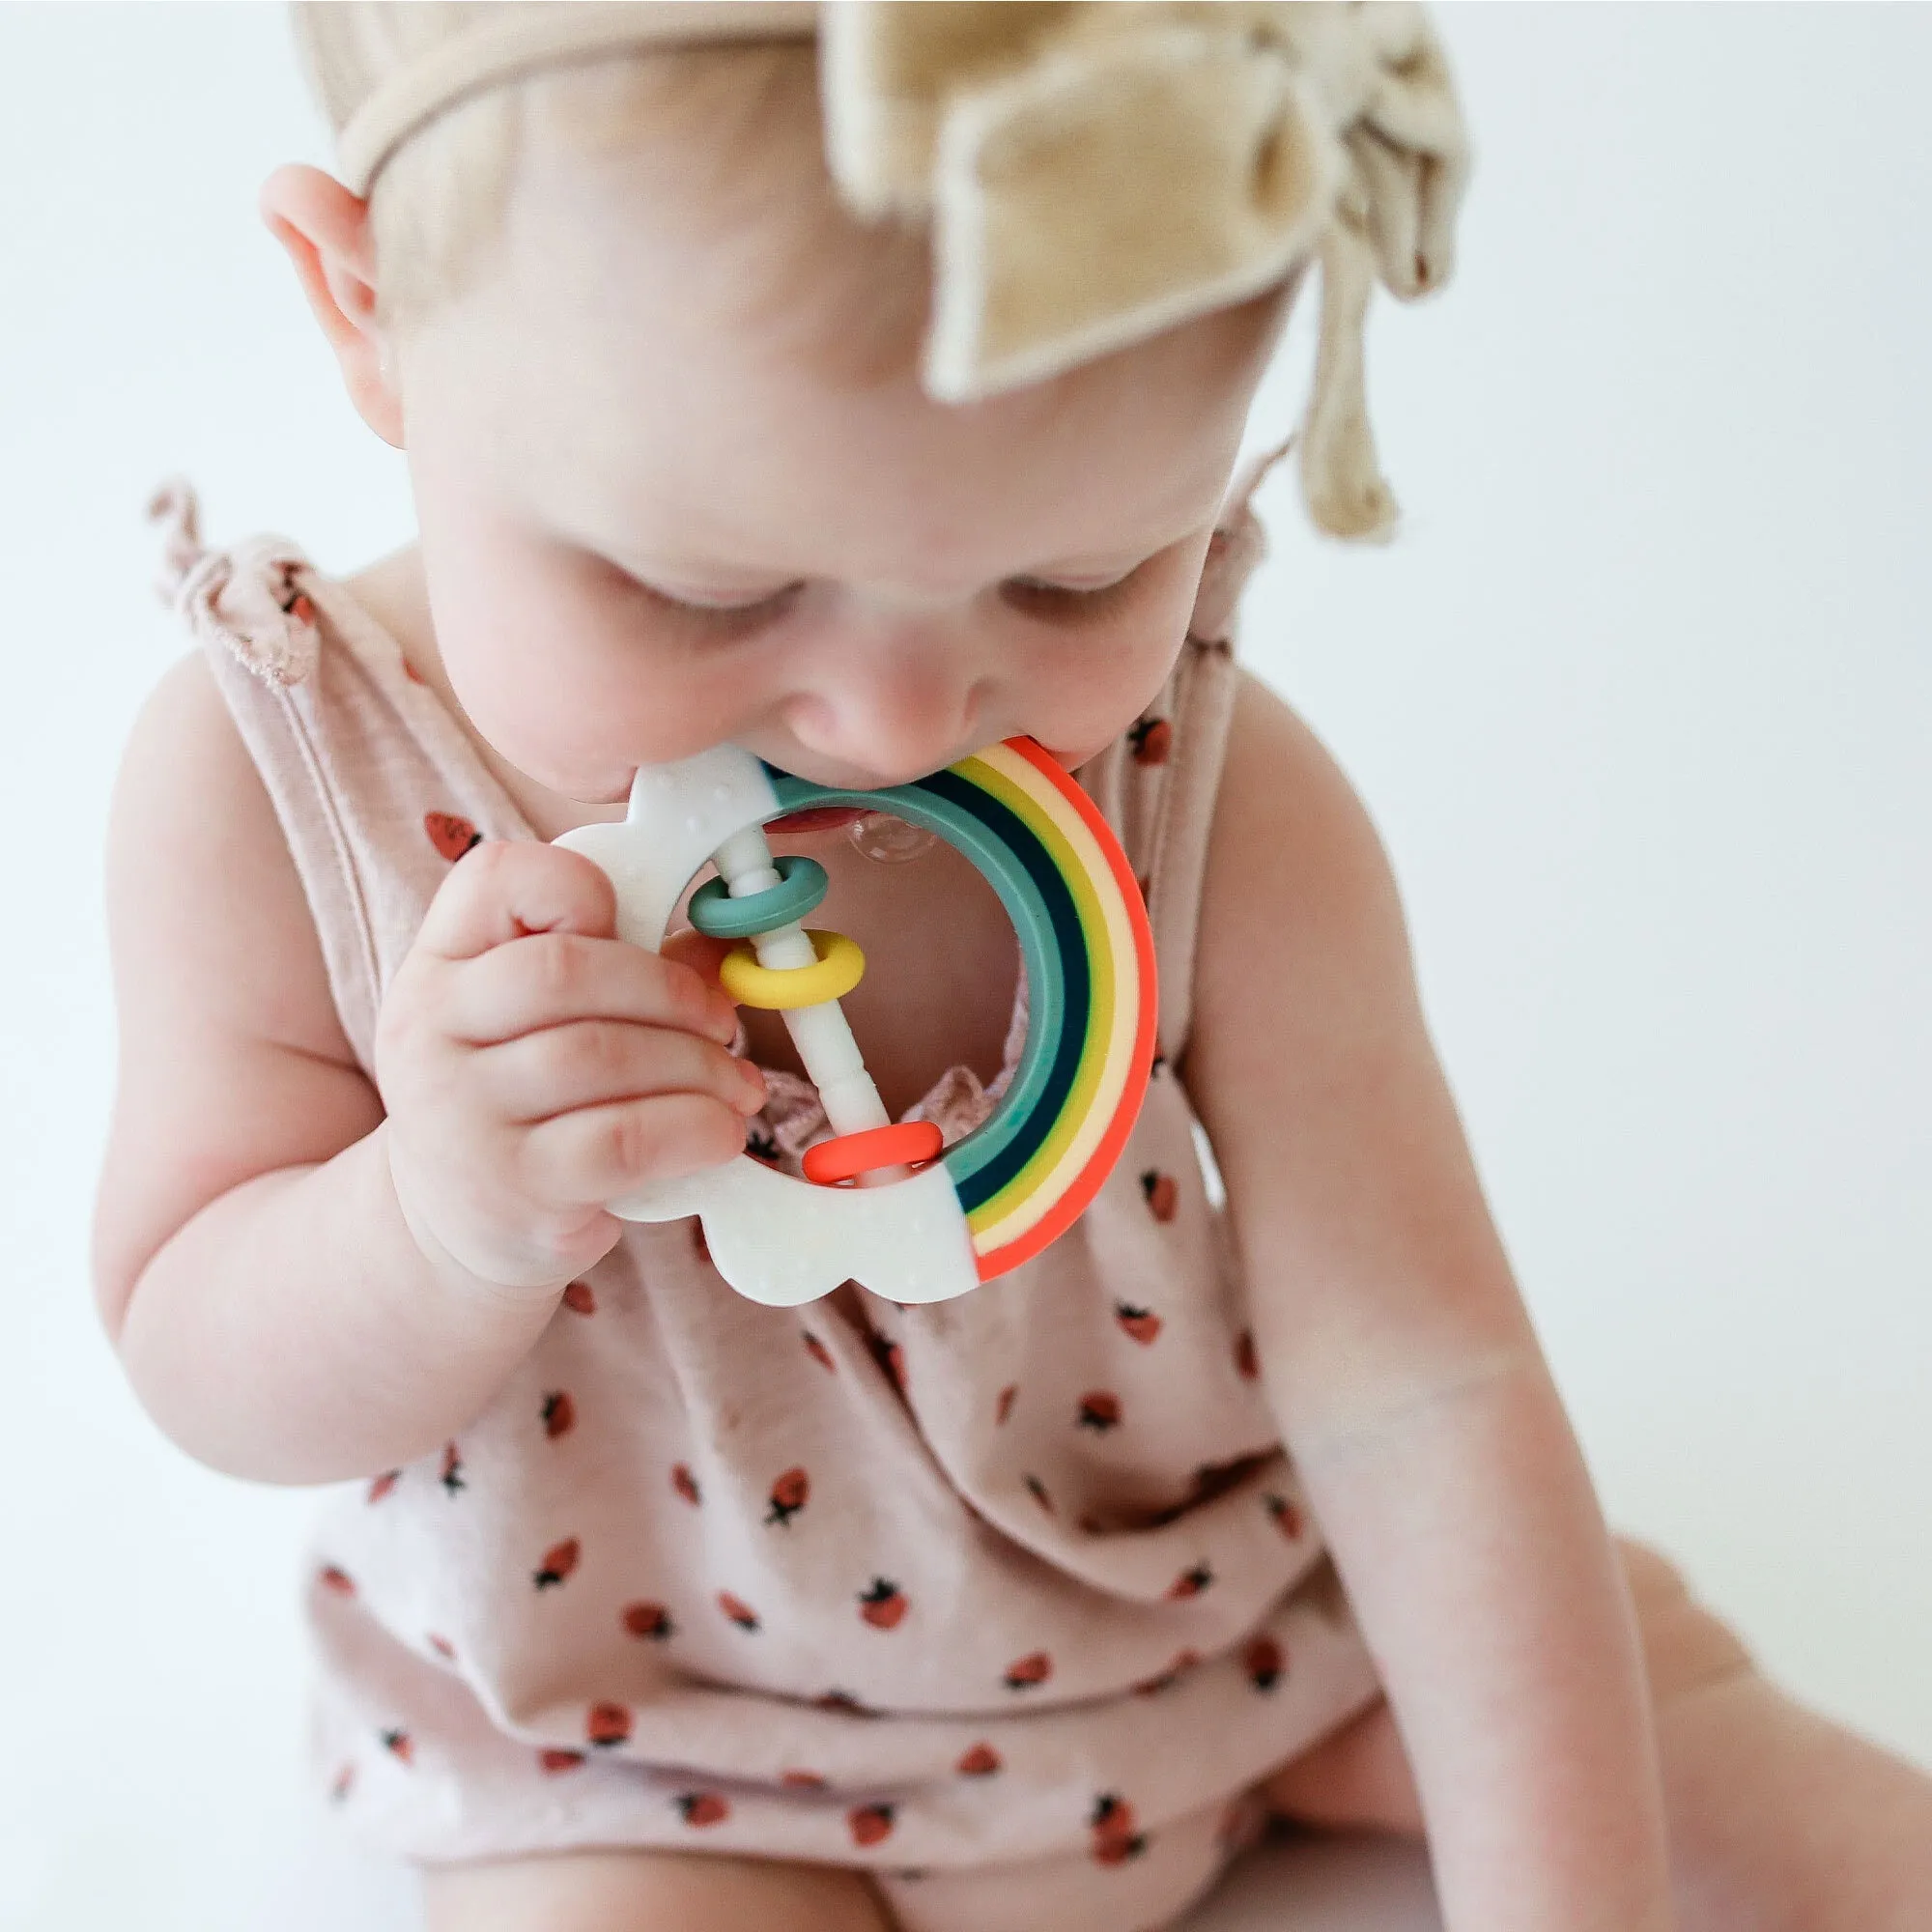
1092, 172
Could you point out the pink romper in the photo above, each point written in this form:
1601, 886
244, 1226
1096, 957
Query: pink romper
1010, 1601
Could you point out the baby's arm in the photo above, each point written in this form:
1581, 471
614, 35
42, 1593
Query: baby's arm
304, 1283
1403, 1370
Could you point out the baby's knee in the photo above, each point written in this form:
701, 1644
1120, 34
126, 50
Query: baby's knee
647, 1891
1686, 1647
1356, 1779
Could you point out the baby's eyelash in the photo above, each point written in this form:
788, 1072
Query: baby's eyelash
722, 620
1064, 603
1035, 597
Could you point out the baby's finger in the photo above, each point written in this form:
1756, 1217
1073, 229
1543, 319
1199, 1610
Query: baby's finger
702, 954
589, 1063
549, 978
507, 889
594, 1155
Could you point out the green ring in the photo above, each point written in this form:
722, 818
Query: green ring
802, 884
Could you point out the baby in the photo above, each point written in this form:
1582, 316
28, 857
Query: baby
863, 391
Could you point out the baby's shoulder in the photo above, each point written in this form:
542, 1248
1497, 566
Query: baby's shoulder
232, 1058
182, 736
1304, 951
1291, 843
201, 884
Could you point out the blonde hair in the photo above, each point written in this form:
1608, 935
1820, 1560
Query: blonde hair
735, 131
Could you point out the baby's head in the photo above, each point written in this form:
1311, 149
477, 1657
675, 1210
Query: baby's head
668, 405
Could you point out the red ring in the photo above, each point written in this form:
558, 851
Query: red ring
846, 1159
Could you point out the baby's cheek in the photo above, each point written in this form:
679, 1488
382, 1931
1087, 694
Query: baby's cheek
1118, 689
583, 713
542, 701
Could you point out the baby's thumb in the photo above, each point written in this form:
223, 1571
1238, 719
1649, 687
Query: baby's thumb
506, 889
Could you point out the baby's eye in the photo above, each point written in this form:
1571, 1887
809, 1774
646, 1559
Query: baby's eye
727, 616
733, 606
1069, 603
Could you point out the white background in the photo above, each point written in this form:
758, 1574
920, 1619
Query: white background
1640, 701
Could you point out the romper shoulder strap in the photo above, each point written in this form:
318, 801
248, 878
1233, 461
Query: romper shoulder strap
1157, 784
374, 788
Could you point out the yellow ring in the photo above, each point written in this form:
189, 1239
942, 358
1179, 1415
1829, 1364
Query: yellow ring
840, 967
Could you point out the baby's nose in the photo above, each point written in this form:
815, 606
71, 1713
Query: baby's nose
902, 708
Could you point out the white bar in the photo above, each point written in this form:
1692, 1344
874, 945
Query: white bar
831, 1055
821, 1034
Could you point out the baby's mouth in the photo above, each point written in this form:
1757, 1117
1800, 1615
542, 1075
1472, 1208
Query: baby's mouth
818, 818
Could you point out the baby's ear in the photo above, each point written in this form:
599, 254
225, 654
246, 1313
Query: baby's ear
326, 231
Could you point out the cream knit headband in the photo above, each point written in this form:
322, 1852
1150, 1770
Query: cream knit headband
1093, 172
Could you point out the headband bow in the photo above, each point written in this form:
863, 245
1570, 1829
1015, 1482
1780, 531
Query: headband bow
1093, 172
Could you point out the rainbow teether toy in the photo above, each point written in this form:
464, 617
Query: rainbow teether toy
999, 1196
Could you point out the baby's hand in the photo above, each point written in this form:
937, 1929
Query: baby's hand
533, 1066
